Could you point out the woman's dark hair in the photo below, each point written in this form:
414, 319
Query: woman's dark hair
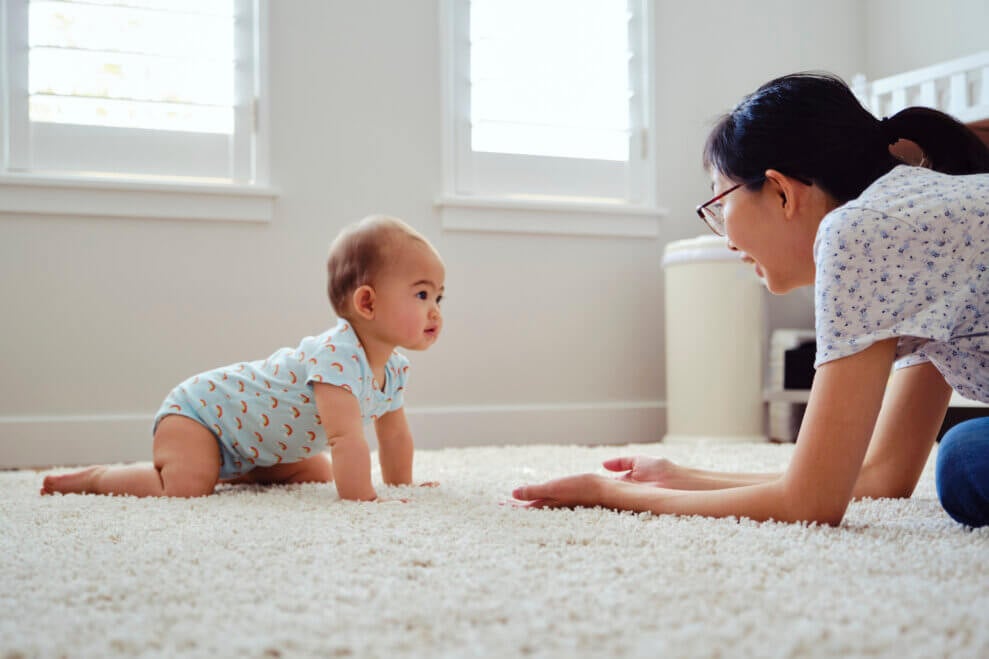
811, 126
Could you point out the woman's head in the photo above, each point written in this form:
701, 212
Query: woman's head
798, 147
810, 126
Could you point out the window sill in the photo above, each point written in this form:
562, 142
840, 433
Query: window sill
549, 216
134, 198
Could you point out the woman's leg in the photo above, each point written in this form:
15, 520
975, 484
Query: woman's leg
962, 472
186, 464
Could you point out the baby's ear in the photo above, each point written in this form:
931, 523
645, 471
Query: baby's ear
363, 301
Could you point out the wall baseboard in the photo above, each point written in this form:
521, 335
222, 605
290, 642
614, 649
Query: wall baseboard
93, 439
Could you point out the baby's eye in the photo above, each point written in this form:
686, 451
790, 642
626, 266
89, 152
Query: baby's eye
422, 295
439, 298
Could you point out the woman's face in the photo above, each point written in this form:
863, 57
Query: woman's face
759, 224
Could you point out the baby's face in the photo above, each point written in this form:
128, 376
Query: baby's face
408, 294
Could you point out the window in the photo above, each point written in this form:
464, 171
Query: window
549, 101
158, 92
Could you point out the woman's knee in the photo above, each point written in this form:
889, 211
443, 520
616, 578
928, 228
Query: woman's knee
962, 472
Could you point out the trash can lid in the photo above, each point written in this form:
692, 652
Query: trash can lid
698, 250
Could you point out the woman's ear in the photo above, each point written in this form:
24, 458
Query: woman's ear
363, 302
784, 188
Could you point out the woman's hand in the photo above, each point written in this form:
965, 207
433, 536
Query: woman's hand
582, 490
643, 469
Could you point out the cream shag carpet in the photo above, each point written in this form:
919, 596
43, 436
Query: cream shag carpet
294, 572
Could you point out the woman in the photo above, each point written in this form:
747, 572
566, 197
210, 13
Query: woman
806, 188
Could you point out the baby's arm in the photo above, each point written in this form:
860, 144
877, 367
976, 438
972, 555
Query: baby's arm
340, 414
395, 447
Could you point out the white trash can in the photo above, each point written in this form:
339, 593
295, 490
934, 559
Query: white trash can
715, 344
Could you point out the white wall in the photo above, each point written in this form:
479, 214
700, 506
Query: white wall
547, 338
910, 34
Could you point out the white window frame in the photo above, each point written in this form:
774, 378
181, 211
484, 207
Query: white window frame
557, 207
247, 196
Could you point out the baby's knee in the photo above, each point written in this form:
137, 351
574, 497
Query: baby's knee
320, 469
187, 485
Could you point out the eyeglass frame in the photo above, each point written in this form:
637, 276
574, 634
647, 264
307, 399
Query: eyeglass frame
710, 220
702, 211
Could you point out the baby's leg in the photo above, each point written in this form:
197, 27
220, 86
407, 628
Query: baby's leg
316, 469
186, 464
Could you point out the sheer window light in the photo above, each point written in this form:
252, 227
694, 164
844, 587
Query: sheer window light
133, 88
549, 99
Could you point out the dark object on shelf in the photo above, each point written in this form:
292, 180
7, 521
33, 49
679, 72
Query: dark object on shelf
798, 366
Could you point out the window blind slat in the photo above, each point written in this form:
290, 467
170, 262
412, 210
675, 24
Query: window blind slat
129, 30
67, 72
545, 103
131, 114
208, 7
555, 141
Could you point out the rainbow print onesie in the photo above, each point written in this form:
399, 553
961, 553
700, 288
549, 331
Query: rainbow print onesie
264, 413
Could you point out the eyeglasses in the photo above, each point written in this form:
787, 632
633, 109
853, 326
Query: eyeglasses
713, 213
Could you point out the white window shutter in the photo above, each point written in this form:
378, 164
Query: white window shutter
551, 99
132, 87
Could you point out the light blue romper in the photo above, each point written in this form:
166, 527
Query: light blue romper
263, 413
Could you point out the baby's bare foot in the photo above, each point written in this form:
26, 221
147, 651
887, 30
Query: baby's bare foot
77, 482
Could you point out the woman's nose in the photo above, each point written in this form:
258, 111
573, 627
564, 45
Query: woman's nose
732, 246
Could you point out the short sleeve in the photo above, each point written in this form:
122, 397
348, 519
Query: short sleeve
336, 364
877, 277
399, 367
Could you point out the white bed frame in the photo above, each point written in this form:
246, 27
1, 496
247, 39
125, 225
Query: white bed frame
959, 87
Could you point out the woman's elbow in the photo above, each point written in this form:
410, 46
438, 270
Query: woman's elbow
815, 507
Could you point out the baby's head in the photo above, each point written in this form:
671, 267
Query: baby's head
387, 280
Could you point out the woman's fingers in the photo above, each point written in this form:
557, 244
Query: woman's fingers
531, 492
624, 463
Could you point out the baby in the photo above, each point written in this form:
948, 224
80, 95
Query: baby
268, 421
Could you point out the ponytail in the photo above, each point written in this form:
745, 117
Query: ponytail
949, 146
811, 126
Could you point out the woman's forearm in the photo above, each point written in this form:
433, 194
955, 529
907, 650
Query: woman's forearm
685, 478
762, 501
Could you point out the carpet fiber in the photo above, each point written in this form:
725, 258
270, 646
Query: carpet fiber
293, 571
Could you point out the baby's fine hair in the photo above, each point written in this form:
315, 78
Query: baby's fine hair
811, 126
358, 255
